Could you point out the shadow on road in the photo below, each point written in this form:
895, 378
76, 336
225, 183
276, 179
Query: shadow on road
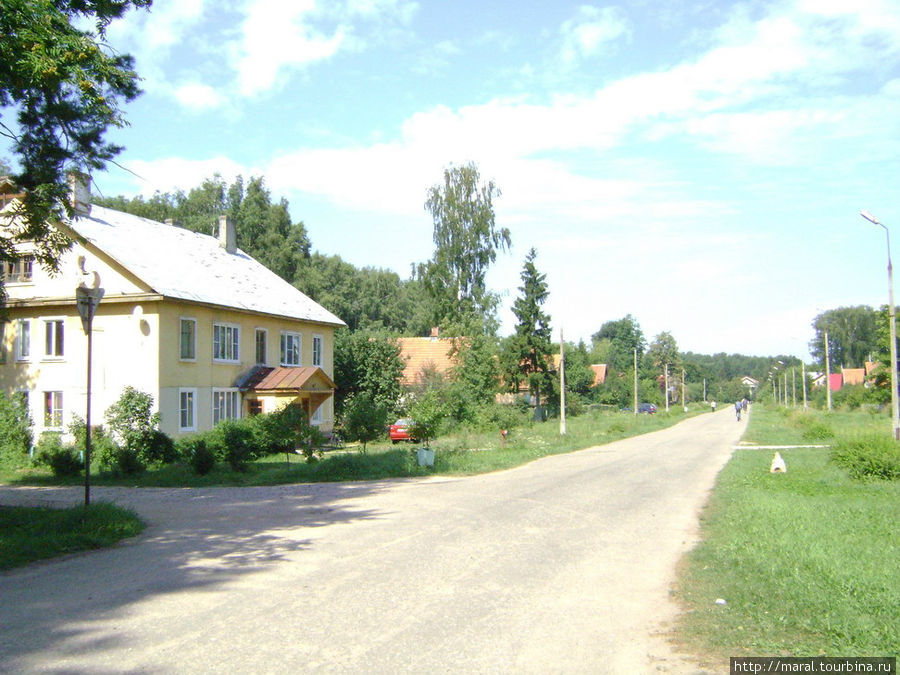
197, 540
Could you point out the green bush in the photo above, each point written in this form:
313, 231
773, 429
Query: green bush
117, 460
62, 460
15, 430
237, 442
194, 451
131, 421
868, 456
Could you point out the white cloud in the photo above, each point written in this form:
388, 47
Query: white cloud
198, 96
590, 31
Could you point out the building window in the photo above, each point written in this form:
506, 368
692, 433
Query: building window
226, 405
317, 350
188, 339
187, 404
54, 330
226, 342
262, 337
23, 340
290, 349
53, 409
19, 271
254, 407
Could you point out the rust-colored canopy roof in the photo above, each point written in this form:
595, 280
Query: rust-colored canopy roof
306, 378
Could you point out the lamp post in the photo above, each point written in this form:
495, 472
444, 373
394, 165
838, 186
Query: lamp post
87, 297
895, 407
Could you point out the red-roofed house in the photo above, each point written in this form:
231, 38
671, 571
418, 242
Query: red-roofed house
425, 353
600, 372
854, 376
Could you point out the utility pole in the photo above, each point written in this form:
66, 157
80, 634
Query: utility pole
683, 397
805, 402
562, 384
667, 387
827, 373
635, 384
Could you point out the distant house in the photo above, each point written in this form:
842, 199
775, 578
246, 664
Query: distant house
836, 381
600, 371
191, 319
853, 376
751, 383
423, 354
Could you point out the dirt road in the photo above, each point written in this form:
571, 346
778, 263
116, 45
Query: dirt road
563, 565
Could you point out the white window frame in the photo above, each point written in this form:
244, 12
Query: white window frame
318, 345
53, 410
264, 334
226, 404
20, 270
23, 340
231, 347
288, 350
54, 340
193, 347
187, 409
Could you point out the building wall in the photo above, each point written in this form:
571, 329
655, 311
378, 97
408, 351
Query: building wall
205, 374
136, 342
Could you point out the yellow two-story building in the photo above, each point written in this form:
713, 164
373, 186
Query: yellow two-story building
191, 319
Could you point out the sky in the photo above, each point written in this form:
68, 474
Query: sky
698, 164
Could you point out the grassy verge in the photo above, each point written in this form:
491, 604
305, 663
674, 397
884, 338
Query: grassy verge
457, 454
806, 561
29, 534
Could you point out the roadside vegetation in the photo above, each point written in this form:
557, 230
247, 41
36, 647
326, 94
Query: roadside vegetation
463, 451
801, 563
30, 534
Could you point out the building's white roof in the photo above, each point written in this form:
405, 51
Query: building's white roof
178, 263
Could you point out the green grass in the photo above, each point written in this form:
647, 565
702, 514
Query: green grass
806, 560
461, 453
29, 534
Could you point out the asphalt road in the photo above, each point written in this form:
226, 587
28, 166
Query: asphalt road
563, 565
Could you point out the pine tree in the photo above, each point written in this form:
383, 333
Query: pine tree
527, 353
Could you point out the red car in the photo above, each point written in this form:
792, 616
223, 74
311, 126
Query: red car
399, 431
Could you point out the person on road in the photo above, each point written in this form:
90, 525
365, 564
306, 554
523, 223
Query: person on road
737, 410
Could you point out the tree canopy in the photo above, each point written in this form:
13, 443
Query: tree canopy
466, 241
61, 88
852, 338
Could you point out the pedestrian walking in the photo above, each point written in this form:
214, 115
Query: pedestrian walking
737, 410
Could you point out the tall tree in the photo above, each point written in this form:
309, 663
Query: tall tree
527, 353
624, 336
466, 240
63, 88
851, 335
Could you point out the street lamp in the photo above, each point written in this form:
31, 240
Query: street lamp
895, 407
87, 297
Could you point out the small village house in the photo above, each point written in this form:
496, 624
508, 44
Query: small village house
189, 318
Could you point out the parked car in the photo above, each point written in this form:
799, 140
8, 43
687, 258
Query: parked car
646, 408
399, 430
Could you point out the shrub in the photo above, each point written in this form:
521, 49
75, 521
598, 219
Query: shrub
194, 451
868, 457
364, 419
131, 421
62, 460
15, 429
237, 442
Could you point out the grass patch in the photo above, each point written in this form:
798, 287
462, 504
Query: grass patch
29, 534
462, 453
806, 560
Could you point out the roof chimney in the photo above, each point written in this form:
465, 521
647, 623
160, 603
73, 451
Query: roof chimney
79, 192
435, 332
227, 234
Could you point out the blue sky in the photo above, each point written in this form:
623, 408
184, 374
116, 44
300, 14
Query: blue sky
698, 164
